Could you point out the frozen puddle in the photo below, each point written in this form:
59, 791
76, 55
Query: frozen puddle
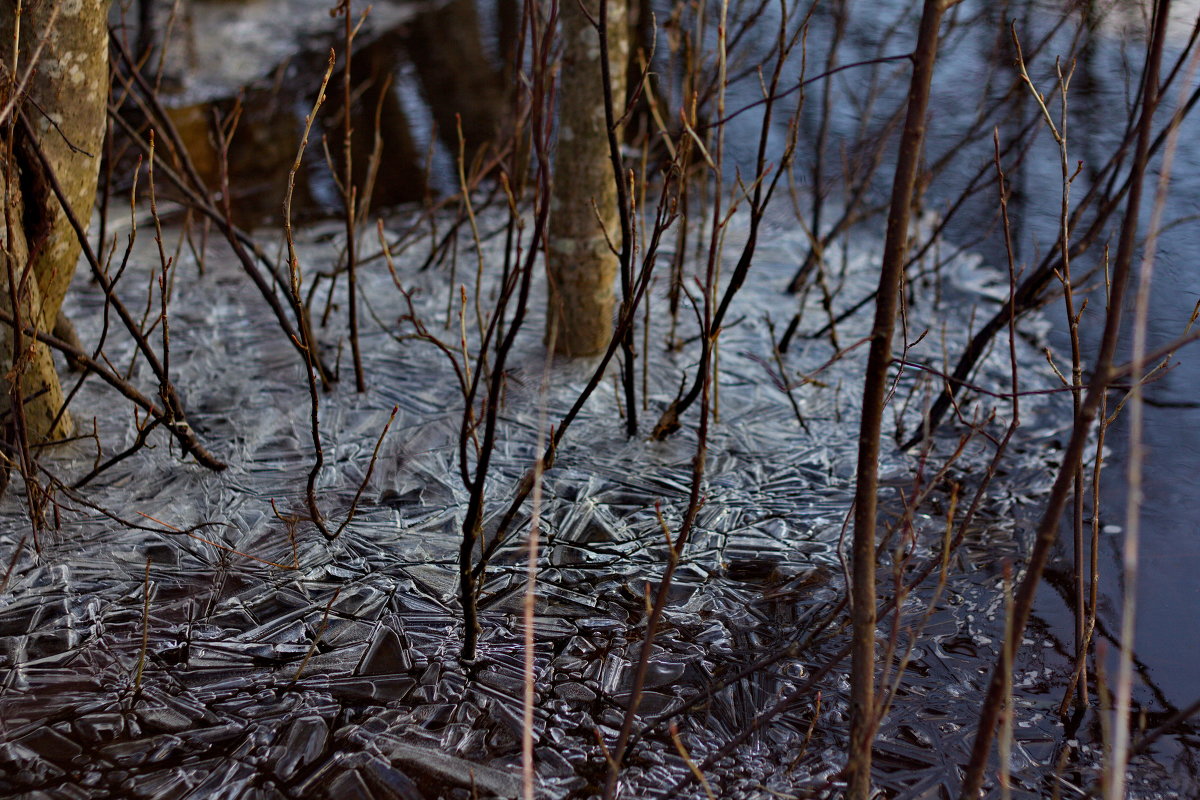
381, 707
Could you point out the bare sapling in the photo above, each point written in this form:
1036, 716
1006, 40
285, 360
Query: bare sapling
1059, 132
351, 193
1118, 757
1090, 221
613, 33
879, 358
170, 413
482, 387
480, 428
307, 343
765, 181
184, 177
675, 546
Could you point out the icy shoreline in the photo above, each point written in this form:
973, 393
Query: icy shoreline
222, 711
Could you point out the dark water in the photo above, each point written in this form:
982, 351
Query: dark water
421, 74
1168, 632
975, 74
1167, 642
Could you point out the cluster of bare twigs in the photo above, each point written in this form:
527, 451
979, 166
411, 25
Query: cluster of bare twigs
696, 154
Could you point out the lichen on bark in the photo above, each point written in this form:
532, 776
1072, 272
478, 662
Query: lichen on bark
63, 94
584, 221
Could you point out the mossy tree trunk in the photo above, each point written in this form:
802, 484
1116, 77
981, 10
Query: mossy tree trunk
64, 101
584, 220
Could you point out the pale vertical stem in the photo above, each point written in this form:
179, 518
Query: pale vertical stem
141, 663
1006, 733
530, 602
527, 765
1059, 132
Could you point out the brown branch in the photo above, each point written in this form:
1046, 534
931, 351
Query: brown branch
863, 718
178, 427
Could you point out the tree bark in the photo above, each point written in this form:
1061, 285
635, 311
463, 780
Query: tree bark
584, 219
65, 101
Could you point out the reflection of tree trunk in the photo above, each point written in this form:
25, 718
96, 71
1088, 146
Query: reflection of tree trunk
263, 146
508, 22
642, 33
400, 177
68, 92
262, 151
446, 47
145, 27
584, 223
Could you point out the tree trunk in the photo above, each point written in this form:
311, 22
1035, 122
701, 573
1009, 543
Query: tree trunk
584, 221
864, 717
67, 94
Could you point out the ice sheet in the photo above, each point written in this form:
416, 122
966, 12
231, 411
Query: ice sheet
382, 707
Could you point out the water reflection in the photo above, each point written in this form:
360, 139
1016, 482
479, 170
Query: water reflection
435, 52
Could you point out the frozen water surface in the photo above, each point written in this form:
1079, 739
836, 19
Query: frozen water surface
281, 665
